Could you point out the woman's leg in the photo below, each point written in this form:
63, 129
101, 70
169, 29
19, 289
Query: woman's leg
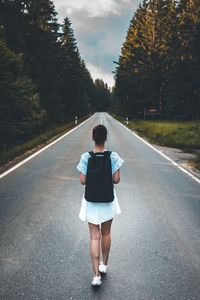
95, 246
105, 240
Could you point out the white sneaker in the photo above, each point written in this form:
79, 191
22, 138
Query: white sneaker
102, 268
96, 280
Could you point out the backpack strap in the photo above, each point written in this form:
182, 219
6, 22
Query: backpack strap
105, 152
92, 153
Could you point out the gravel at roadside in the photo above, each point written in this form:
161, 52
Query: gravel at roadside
184, 159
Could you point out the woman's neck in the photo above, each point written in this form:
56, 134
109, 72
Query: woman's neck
99, 148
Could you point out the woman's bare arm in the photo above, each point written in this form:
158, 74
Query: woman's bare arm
82, 178
116, 177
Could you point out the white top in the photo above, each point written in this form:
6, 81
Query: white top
94, 212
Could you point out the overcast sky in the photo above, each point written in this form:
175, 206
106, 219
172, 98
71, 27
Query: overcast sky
100, 28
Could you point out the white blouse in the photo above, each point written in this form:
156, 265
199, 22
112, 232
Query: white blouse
94, 212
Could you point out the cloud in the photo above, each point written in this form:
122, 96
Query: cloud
95, 8
97, 72
100, 28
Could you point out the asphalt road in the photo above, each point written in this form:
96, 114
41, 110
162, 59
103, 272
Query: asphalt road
44, 250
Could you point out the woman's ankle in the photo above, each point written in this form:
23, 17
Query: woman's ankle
105, 262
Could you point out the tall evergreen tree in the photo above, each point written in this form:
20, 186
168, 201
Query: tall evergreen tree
14, 22
21, 114
74, 79
189, 57
46, 82
158, 57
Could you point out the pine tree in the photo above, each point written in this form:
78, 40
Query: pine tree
41, 14
74, 81
14, 22
189, 63
159, 62
141, 56
20, 110
43, 80
70, 69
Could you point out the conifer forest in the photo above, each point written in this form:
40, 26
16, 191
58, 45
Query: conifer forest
159, 65
45, 81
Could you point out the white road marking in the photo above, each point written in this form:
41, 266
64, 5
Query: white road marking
162, 154
101, 120
44, 148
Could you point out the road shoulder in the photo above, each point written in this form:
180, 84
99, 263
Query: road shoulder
184, 159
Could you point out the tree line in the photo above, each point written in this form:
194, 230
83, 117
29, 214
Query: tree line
159, 65
43, 79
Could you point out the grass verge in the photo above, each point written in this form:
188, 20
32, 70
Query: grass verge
184, 135
19, 152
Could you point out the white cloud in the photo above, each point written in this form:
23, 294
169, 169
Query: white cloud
68, 11
97, 72
95, 8
100, 28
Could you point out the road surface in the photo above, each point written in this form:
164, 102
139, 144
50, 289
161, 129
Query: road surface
44, 251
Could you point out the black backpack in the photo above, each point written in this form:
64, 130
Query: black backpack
99, 183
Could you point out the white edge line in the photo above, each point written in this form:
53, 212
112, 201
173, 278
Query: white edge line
39, 151
162, 154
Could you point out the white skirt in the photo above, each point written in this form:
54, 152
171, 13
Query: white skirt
98, 213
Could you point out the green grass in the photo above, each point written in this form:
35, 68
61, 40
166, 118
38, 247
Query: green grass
184, 135
42, 139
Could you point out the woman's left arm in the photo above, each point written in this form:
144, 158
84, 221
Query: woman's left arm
116, 177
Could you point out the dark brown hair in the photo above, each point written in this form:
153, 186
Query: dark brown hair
99, 134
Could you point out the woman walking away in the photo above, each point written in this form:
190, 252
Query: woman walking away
99, 171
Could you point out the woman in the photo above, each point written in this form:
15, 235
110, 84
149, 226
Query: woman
99, 215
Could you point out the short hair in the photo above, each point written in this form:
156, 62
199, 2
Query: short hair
99, 134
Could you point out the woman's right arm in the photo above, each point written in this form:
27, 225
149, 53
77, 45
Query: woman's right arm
116, 177
82, 178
